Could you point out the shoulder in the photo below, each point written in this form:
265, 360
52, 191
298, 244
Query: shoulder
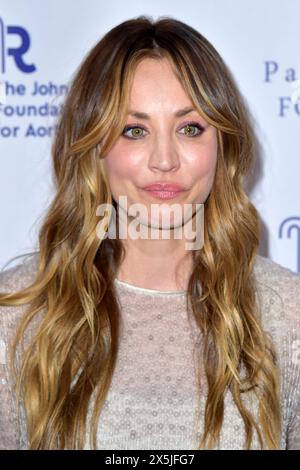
273, 274
13, 280
19, 276
278, 293
278, 289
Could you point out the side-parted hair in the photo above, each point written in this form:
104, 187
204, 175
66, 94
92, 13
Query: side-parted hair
72, 353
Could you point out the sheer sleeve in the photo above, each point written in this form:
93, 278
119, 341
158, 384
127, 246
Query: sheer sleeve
11, 280
293, 436
9, 438
291, 362
293, 380
282, 320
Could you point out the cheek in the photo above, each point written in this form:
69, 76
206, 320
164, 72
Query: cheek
120, 165
204, 163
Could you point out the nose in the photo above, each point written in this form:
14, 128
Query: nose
164, 156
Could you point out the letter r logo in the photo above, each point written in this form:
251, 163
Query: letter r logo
18, 52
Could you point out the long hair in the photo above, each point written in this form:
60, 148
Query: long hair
73, 351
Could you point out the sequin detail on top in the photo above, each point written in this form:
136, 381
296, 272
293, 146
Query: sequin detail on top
154, 401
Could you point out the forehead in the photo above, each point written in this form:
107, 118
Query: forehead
154, 83
154, 71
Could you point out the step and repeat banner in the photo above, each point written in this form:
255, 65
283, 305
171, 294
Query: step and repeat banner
43, 43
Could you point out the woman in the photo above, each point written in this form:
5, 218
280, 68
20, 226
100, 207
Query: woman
141, 343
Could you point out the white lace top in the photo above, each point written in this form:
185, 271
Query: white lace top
153, 402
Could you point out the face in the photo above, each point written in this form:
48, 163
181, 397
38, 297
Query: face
164, 147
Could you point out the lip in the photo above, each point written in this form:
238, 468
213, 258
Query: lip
164, 194
166, 187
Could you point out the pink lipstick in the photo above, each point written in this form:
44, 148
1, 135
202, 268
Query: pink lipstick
163, 190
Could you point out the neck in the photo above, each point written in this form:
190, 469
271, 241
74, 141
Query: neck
156, 264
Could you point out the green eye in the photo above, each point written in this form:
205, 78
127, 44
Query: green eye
190, 132
137, 131
134, 129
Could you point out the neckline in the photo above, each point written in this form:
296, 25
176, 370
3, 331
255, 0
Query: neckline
146, 290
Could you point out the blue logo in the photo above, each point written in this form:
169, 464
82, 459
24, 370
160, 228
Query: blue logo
289, 224
15, 53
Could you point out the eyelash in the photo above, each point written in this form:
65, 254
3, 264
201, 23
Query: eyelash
133, 126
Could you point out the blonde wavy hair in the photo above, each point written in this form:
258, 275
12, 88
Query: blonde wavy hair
72, 353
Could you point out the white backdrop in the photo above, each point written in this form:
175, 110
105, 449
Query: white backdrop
259, 40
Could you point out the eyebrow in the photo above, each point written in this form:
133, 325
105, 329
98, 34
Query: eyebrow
179, 113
